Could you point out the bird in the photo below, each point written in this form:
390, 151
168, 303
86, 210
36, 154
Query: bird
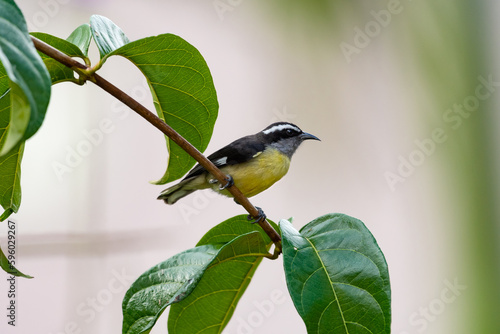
252, 163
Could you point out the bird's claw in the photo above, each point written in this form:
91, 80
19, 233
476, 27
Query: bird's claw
229, 183
261, 216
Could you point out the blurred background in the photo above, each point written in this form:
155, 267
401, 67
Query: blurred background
404, 95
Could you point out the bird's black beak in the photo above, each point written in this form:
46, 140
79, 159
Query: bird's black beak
305, 136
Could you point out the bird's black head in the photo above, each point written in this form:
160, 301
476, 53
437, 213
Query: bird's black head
285, 137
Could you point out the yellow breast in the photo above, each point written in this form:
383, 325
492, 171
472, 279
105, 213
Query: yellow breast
258, 174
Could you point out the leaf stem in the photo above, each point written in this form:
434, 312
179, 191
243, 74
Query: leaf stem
88, 74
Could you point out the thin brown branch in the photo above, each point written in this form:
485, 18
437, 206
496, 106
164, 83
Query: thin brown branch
164, 128
57, 55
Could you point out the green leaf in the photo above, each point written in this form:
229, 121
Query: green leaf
337, 276
4, 81
162, 285
210, 306
10, 183
81, 37
232, 228
29, 80
4, 110
107, 35
6, 214
59, 72
183, 93
10, 164
174, 279
10, 269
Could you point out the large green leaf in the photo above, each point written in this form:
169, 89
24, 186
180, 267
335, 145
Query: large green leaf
337, 276
210, 306
183, 93
107, 35
222, 248
59, 72
29, 80
216, 296
162, 285
81, 37
180, 81
10, 163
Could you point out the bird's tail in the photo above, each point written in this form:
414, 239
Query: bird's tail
175, 193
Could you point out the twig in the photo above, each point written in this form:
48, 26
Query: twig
163, 127
58, 55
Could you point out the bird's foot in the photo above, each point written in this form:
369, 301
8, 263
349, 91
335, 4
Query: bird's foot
229, 183
261, 216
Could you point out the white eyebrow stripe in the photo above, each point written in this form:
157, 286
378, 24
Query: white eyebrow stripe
220, 161
281, 127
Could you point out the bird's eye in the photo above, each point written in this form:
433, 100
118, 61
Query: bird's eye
289, 132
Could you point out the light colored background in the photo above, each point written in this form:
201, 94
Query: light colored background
282, 61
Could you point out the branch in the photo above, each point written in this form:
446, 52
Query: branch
163, 127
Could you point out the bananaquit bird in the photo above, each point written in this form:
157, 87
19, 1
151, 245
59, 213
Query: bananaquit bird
253, 163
